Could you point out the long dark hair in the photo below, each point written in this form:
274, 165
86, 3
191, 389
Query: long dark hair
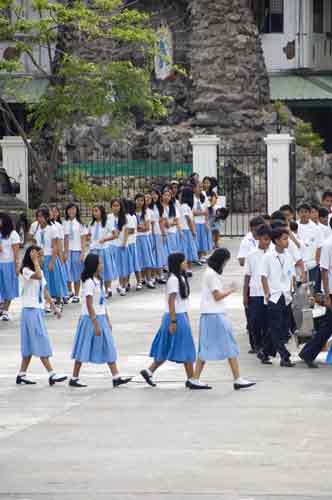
59, 212
78, 213
171, 205
7, 225
90, 266
103, 215
218, 259
140, 195
187, 196
158, 202
45, 212
122, 219
174, 266
27, 261
212, 195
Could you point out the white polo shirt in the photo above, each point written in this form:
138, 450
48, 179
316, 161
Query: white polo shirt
172, 286
45, 237
212, 281
279, 270
93, 288
33, 290
6, 244
74, 231
326, 260
326, 231
254, 270
312, 239
248, 244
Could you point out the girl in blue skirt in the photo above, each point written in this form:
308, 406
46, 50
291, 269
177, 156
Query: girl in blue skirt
34, 337
201, 219
144, 245
75, 236
47, 237
171, 222
159, 255
9, 264
133, 263
188, 228
174, 340
216, 339
93, 340
119, 245
100, 233
55, 216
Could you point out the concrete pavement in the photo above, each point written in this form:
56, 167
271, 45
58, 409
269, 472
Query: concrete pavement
271, 442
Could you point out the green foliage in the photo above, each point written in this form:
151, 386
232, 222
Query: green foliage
88, 193
307, 138
279, 109
78, 88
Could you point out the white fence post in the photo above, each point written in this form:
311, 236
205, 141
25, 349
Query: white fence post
15, 162
278, 170
205, 155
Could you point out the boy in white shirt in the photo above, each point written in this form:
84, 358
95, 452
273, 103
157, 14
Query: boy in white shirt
277, 275
311, 236
324, 223
249, 242
253, 293
327, 201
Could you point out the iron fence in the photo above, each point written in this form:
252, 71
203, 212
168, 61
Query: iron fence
242, 178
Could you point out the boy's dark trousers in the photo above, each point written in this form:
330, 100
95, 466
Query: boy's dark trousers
316, 276
257, 318
323, 329
278, 325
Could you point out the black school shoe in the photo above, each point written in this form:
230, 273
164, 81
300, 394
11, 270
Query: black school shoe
286, 363
197, 387
23, 380
76, 383
148, 378
265, 360
121, 381
55, 379
238, 386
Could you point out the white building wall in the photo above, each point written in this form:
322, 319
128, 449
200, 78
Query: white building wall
312, 50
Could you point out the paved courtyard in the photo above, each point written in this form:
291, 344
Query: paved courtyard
271, 442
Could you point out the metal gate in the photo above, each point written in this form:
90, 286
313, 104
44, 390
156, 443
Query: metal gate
242, 178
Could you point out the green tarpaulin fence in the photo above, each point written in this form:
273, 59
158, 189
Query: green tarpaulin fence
125, 168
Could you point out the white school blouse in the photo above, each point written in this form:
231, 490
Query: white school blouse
200, 206
172, 286
33, 290
326, 260
247, 245
141, 220
156, 220
113, 221
185, 211
171, 229
132, 224
98, 232
279, 270
6, 244
93, 288
212, 281
45, 237
74, 231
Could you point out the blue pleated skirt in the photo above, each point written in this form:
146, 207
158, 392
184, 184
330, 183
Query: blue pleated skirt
172, 243
329, 356
9, 288
133, 265
88, 348
216, 338
189, 246
56, 280
109, 272
34, 337
74, 266
204, 238
179, 347
122, 261
144, 252
158, 247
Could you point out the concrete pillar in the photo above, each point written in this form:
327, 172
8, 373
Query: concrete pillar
15, 162
278, 170
205, 155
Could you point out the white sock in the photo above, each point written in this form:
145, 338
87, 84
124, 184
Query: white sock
21, 374
74, 378
241, 380
149, 372
195, 381
115, 377
51, 373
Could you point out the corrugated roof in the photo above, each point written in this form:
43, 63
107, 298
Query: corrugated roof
300, 88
